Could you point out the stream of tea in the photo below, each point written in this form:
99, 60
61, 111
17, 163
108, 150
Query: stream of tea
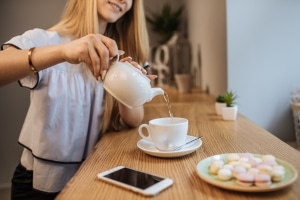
167, 100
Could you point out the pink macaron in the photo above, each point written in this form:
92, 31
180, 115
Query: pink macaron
272, 163
245, 179
262, 180
237, 170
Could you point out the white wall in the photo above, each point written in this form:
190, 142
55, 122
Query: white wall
263, 60
16, 17
207, 33
251, 47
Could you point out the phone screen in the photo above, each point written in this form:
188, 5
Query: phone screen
134, 178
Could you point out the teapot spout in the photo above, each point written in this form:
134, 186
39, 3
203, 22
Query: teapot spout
157, 91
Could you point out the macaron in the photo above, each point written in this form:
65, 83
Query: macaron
233, 157
253, 170
268, 157
244, 159
224, 174
242, 164
262, 180
272, 163
237, 170
264, 169
247, 155
280, 167
258, 160
245, 179
253, 162
228, 166
215, 166
277, 175
245, 165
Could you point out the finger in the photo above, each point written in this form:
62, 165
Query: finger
126, 59
106, 48
152, 77
136, 65
85, 58
121, 52
111, 45
94, 60
144, 71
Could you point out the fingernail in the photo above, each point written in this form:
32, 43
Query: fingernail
153, 76
144, 71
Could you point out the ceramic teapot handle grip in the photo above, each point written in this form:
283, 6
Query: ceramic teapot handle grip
114, 59
111, 61
141, 127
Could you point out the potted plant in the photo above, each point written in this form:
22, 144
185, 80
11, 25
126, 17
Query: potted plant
229, 112
219, 104
165, 23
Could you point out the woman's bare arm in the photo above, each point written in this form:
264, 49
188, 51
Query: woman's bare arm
93, 49
131, 116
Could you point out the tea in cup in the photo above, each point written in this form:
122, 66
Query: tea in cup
165, 133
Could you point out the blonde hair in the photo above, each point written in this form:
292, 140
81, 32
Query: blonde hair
80, 18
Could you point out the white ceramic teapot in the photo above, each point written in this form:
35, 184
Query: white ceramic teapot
128, 84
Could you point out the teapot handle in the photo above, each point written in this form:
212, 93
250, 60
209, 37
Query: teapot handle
117, 57
114, 59
111, 61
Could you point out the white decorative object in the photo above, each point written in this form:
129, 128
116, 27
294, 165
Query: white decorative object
229, 113
219, 107
161, 59
173, 40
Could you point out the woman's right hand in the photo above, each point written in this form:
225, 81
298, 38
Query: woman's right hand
94, 50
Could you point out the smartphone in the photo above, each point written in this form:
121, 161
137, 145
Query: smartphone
137, 181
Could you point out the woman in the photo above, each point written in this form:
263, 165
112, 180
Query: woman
69, 108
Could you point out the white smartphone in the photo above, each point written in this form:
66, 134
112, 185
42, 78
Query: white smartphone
137, 181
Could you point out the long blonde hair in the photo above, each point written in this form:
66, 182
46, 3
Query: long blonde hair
80, 18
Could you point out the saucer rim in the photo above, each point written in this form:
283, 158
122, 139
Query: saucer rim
184, 151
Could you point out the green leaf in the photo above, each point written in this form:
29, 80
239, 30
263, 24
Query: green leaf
230, 98
166, 22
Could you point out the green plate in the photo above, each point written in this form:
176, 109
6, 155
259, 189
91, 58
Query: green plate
202, 168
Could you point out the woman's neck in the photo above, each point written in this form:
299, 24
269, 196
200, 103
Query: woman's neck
102, 27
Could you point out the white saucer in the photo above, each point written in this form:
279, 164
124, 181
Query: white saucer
149, 148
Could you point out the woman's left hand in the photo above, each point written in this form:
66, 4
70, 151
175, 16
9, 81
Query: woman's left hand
136, 65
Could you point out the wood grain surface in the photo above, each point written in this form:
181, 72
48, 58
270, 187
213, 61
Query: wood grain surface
120, 148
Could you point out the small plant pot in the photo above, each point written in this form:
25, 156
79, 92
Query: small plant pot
219, 107
229, 113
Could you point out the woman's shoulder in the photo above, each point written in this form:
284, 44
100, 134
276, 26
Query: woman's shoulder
37, 37
46, 36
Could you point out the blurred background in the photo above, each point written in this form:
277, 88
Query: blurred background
250, 47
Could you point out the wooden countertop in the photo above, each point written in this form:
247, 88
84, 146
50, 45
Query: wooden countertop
120, 148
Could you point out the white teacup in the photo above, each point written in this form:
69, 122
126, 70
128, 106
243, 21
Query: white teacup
165, 133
